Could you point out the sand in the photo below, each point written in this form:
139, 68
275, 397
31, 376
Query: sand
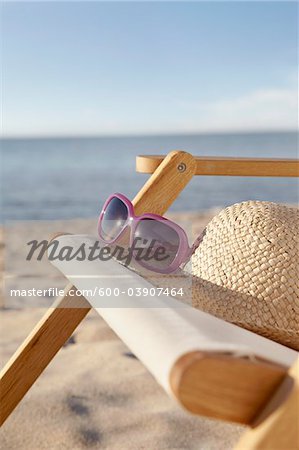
95, 393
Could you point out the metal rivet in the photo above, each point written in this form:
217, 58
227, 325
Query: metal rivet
181, 167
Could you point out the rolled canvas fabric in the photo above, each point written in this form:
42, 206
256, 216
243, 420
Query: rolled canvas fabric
159, 330
246, 269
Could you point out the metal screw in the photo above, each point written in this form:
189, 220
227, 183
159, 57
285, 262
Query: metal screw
181, 167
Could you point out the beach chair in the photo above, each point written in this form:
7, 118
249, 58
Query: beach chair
213, 368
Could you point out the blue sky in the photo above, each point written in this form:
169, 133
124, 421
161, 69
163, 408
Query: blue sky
158, 67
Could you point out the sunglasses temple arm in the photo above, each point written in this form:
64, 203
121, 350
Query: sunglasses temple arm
197, 242
192, 249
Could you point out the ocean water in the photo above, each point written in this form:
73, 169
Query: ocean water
44, 179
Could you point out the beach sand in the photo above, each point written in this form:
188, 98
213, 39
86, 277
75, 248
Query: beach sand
95, 393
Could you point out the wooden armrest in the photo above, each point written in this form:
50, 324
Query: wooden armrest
208, 165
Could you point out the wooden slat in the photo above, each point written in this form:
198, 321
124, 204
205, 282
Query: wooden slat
163, 187
60, 321
224, 387
42, 344
277, 426
207, 165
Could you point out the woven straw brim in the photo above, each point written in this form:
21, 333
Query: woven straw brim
245, 270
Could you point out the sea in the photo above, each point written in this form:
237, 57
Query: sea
65, 178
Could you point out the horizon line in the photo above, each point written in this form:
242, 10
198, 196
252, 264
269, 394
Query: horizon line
144, 134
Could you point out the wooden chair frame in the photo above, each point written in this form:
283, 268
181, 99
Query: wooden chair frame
263, 395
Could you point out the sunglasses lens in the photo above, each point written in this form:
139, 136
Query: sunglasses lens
159, 243
114, 219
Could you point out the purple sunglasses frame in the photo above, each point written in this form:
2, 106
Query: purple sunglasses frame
184, 251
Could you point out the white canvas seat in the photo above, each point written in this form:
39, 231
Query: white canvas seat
160, 330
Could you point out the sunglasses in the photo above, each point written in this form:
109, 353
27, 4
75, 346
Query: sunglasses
165, 242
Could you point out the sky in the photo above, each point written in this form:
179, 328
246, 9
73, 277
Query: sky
114, 68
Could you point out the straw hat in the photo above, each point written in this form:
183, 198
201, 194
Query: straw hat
245, 269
